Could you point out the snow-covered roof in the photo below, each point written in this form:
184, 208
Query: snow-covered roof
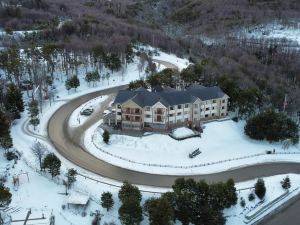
76, 198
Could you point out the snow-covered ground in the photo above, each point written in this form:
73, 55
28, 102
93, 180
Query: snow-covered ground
39, 192
76, 119
273, 30
45, 197
236, 214
181, 63
182, 132
223, 145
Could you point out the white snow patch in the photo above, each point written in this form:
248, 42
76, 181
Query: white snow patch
76, 119
223, 145
182, 132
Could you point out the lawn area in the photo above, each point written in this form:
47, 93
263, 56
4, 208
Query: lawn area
220, 141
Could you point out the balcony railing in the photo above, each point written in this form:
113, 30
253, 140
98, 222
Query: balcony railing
132, 111
159, 112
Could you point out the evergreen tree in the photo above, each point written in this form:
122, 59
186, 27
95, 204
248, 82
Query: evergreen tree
107, 201
105, 136
75, 83
5, 196
112, 62
286, 183
273, 127
130, 212
5, 137
128, 191
159, 211
34, 113
92, 77
129, 54
137, 84
52, 163
72, 82
14, 100
260, 188
71, 177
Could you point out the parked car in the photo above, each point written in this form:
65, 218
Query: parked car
194, 153
87, 112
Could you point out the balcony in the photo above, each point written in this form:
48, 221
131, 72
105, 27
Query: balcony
132, 111
159, 111
131, 118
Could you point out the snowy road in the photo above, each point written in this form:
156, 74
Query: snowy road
70, 147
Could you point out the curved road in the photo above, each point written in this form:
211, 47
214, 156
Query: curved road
69, 145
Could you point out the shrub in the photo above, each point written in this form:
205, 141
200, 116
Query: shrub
11, 156
251, 197
260, 188
105, 136
286, 183
107, 201
243, 203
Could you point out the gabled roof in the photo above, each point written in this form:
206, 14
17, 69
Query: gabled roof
143, 97
206, 93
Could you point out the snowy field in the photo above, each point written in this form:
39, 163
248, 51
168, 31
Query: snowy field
76, 119
236, 214
161, 154
274, 30
45, 197
39, 192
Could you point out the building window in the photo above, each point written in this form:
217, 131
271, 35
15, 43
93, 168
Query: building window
148, 116
148, 108
223, 101
214, 101
196, 105
119, 113
207, 109
213, 108
172, 107
186, 105
223, 107
179, 113
171, 115
179, 106
222, 114
119, 106
206, 115
212, 114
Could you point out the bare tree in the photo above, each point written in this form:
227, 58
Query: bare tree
39, 150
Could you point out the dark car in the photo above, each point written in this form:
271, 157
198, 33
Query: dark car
87, 112
194, 153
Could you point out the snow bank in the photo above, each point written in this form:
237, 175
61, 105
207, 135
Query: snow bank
182, 132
